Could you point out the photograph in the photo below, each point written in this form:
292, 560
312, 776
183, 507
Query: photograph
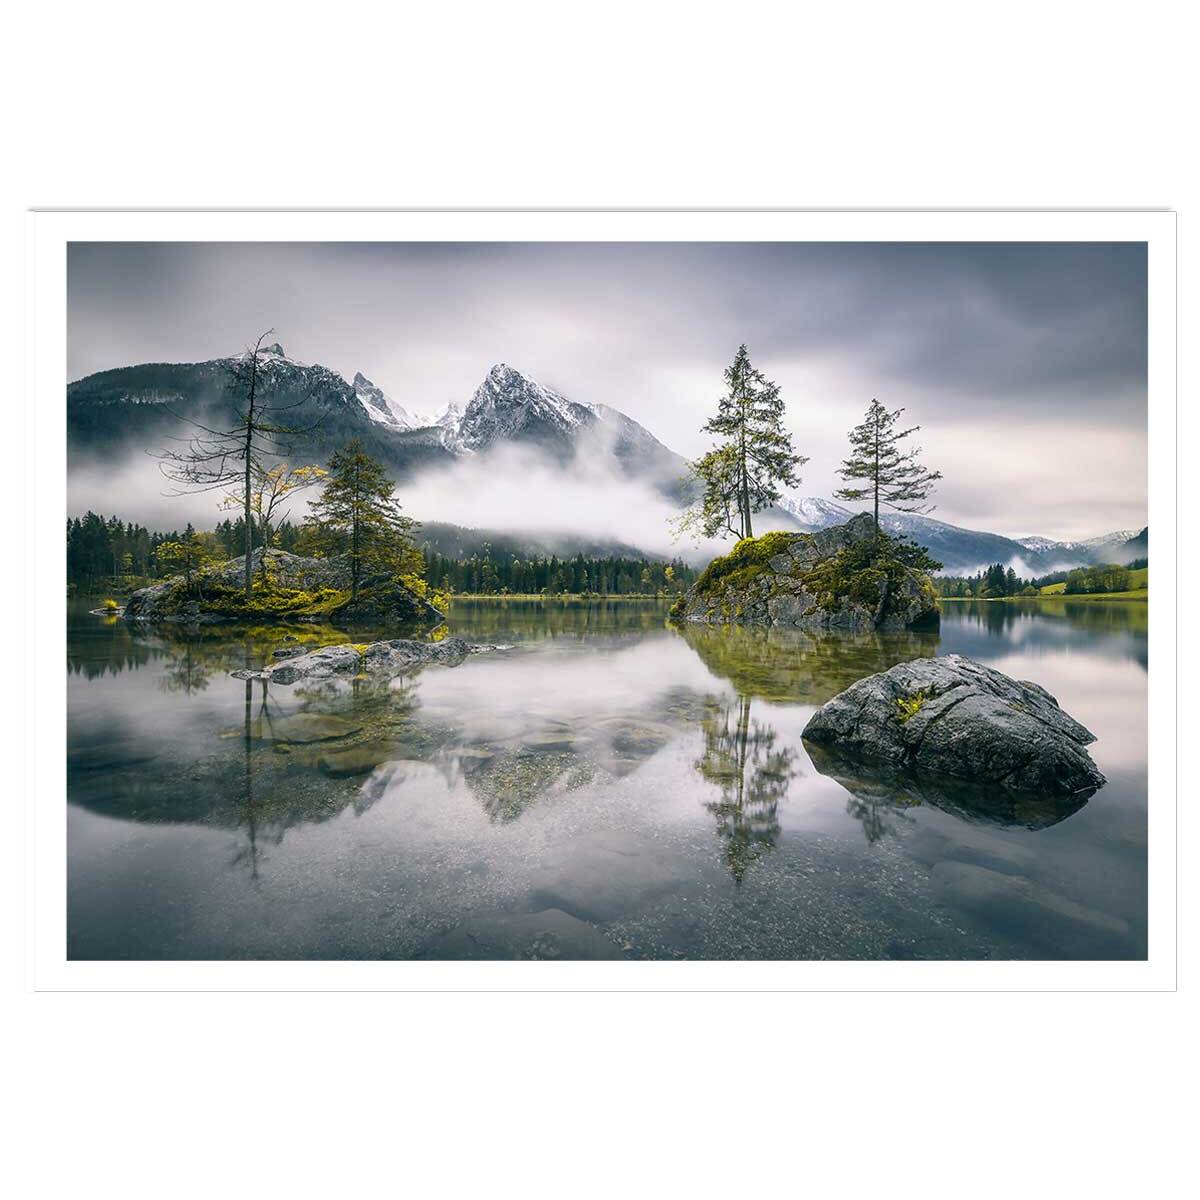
609, 600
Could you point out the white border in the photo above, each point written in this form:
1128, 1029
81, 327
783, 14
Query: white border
45, 464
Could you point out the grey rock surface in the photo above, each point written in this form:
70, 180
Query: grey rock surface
376, 658
953, 716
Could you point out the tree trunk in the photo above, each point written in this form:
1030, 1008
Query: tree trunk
249, 572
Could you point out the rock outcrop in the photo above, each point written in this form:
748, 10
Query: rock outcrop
955, 717
384, 600
843, 577
375, 658
295, 588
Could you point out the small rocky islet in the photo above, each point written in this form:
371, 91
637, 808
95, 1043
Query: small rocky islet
848, 577
942, 717
287, 587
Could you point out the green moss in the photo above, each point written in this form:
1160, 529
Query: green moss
743, 564
265, 600
677, 610
909, 706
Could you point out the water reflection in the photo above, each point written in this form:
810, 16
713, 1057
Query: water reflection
788, 666
1112, 629
744, 759
880, 793
645, 783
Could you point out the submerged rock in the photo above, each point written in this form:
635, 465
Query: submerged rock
306, 729
550, 934
845, 578
359, 759
953, 716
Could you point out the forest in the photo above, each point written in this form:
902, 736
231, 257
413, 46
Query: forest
999, 581
107, 554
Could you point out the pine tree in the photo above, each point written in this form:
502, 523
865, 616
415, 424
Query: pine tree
754, 454
894, 478
358, 512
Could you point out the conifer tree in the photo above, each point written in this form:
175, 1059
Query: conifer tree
893, 477
359, 514
754, 453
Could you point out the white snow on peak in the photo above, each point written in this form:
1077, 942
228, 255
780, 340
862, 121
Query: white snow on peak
813, 511
508, 401
1116, 538
381, 408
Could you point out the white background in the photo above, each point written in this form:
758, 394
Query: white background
517, 104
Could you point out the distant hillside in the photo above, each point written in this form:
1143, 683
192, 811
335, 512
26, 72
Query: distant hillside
455, 541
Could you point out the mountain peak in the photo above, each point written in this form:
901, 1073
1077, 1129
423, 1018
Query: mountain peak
274, 348
502, 373
360, 380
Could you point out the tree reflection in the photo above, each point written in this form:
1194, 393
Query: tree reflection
879, 793
743, 759
185, 672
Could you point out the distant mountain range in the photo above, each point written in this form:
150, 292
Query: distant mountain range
967, 550
142, 407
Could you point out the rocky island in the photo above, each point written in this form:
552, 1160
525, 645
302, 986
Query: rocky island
286, 586
847, 577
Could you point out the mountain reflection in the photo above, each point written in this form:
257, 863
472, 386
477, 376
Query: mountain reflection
743, 758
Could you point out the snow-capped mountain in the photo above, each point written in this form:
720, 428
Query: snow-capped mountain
1120, 546
382, 408
139, 408
811, 512
508, 406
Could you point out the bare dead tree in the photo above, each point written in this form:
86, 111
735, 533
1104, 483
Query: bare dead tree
213, 459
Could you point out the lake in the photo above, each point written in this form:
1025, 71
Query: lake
602, 786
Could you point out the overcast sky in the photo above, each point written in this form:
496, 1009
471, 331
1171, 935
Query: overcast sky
1025, 364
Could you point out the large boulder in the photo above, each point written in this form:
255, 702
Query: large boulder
954, 717
846, 577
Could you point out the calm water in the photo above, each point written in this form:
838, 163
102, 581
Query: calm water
606, 787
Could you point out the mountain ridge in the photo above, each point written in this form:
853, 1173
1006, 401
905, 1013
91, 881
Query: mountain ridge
141, 405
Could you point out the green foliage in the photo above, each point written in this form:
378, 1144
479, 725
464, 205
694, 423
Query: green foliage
677, 610
753, 454
891, 478
358, 515
490, 570
1090, 580
859, 571
909, 706
110, 606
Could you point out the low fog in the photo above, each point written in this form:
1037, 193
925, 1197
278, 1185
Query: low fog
510, 490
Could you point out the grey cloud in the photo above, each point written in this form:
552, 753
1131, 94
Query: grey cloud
1018, 342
